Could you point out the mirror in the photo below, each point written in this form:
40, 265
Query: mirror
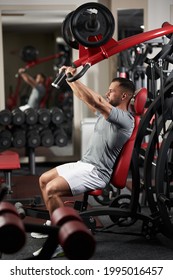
32, 39
131, 61
130, 22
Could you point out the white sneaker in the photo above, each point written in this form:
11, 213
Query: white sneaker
58, 252
41, 235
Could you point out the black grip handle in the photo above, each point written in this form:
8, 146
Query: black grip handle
59, 80
71, 78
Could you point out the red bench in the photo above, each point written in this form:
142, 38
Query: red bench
9, 161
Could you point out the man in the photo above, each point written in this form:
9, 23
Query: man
113, 128
38, 88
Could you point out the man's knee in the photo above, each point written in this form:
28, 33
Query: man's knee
42, 181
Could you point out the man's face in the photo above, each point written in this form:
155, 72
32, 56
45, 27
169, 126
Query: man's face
114, 95
39, 79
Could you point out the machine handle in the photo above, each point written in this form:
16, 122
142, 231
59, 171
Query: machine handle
71, 78
60, 79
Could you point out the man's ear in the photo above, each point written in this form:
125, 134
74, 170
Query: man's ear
124, 96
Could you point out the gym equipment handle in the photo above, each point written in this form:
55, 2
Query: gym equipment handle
71, 78
60, 79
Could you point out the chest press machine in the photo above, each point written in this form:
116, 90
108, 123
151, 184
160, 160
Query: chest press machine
95, 43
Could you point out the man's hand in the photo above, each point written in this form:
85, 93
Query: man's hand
68, 69
21, 70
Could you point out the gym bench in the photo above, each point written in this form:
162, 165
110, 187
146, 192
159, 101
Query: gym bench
9, 161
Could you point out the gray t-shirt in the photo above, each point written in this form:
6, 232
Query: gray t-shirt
107, 141
36, 96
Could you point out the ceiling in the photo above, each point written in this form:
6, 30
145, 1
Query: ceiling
32, 20
50, 21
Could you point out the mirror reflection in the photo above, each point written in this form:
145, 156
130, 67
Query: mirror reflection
131, 61
33, 48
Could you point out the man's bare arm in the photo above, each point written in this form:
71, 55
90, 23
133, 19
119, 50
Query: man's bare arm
92, 99
27, 78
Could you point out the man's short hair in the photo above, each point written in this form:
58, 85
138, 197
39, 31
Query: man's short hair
126, 84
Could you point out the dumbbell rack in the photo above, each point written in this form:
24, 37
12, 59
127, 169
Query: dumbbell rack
30, 129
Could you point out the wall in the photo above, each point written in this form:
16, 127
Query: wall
158, 11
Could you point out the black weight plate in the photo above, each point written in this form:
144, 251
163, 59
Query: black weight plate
122, 202
67, 33
92, 20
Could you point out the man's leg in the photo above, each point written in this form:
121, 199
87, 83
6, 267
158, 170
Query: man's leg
53, 187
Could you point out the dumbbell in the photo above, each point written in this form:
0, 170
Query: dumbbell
31, 116
60, 137
44, 116
5, 139
18, 116
47, 138
68, 128
57, 116
5, 117
68, 111
33, 138
18, 138
75, 238
12, 231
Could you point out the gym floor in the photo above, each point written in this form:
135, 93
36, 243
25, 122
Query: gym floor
117, 243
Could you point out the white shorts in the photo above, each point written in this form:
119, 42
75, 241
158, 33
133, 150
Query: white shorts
80, 176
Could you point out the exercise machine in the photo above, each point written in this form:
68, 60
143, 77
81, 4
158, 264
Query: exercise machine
67, 229
95, 43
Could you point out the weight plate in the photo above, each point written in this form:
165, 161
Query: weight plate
29, 54
123, 202
108, 194
92, 24
67, 33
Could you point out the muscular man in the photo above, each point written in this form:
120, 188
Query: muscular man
113, 128
38, 88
